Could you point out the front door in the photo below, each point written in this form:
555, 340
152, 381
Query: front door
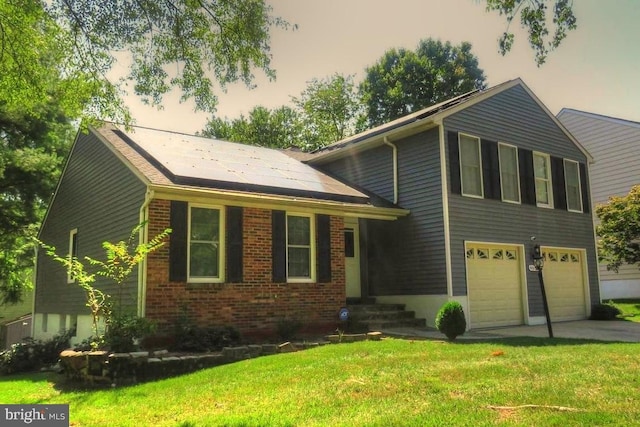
352, 257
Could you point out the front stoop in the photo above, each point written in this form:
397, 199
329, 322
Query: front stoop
377, 317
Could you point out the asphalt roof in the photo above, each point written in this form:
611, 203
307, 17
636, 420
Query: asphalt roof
204, 162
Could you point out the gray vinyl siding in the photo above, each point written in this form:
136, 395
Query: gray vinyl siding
371, 170
615, 147
100, 197
513, 117
407, 256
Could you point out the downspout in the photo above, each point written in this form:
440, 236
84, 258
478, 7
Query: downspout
395, 168
142, 268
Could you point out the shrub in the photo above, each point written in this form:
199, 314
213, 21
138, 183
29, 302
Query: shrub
199, 339
31, 354
288, 327
124, 330
607, 311
450, 320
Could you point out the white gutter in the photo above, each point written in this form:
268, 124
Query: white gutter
386, 141
142, 267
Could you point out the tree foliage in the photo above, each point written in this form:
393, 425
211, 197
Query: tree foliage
120, 259
535, 18
325, 112
619, 230
404, 81
33, 145
329, 109
276, 128
181, 44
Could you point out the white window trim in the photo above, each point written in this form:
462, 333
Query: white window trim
221, 245
73, 233
519, 201
476, 196
312, 244
547, 158
566, 186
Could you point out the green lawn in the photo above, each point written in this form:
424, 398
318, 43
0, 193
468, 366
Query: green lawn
392, 382
630, 309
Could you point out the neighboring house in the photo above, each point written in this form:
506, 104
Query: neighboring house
615, 146
438, 205
15, 321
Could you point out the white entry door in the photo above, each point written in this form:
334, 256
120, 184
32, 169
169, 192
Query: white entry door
352, 257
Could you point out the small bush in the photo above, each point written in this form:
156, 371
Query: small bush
124, 330
198, 339
288, 327
607, 311
31, 354
450, 320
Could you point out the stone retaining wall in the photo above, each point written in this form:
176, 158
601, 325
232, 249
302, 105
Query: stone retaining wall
128, 368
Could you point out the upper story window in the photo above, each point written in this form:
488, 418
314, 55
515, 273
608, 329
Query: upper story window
300, 247
73, 252
509, 174
470, 166
542, 173
572, 183
205, 248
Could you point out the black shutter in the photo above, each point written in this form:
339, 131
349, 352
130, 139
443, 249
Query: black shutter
279, 246
323, 230
490, 170
454, 163
527, 177
234, 244
178, 242
584, 186
558, 184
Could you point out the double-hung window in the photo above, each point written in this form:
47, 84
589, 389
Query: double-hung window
509, 175
470, 166
572, 184
205, 257
542, 173
300, 232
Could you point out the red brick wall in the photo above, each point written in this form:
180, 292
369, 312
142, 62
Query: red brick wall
255, 306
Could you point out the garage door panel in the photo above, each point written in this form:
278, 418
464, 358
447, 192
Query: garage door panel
564, 280
494, 285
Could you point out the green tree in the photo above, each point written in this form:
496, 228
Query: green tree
120, 260
535, 18
33, 145
329, 109
619, 230
276, 128
404, 81
181, 44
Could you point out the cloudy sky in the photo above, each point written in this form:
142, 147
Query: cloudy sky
597, 68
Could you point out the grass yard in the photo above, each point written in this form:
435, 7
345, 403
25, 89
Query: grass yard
392, 382
630, 309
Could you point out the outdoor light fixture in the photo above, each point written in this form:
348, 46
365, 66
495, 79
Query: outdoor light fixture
538, 259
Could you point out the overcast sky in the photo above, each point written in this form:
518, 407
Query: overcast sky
596, 69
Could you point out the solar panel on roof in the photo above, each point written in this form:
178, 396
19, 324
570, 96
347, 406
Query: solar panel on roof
218, 162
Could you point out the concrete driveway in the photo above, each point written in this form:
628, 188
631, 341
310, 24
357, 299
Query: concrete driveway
614, 330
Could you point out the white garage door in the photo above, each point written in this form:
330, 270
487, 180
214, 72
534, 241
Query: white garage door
494, 285
564, 283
